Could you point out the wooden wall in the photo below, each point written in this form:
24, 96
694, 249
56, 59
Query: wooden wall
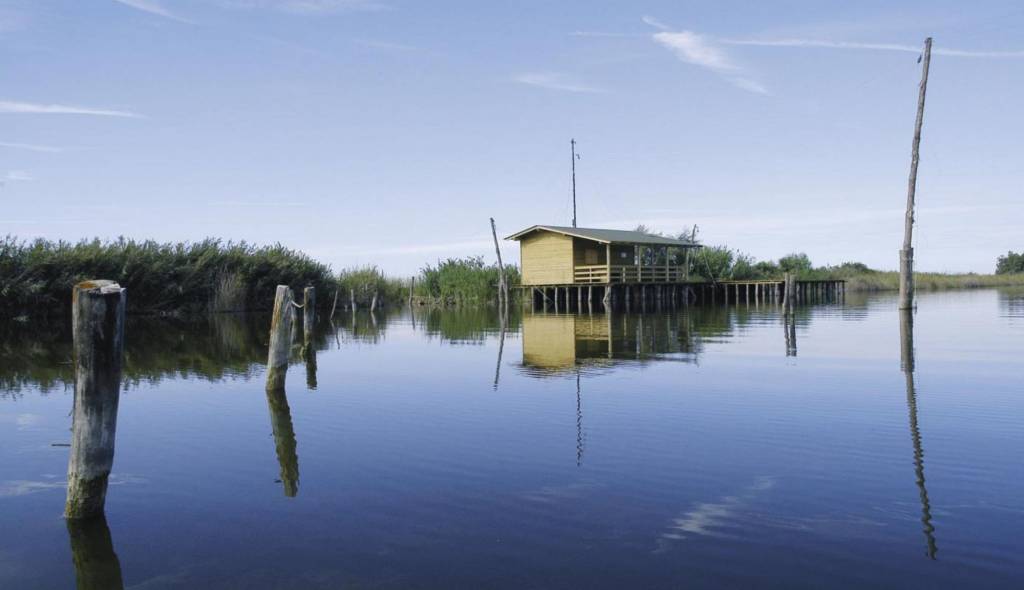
547, 259
587, 252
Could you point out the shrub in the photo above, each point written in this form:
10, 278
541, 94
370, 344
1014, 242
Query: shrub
37, 277
1011, 263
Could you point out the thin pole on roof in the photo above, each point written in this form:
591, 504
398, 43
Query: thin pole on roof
572, 143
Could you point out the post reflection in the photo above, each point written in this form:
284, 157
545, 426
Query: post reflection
789, 326
579, 422
284, 439
907, 365
92, 552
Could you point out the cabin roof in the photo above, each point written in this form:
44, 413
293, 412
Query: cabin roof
606, 236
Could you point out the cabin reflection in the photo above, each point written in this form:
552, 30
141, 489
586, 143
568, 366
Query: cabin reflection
556, 344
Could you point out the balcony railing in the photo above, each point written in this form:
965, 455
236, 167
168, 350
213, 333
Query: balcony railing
603, 273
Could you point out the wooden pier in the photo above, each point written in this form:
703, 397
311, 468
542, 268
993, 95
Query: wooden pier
641, 296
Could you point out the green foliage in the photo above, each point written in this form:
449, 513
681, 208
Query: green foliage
463, 281
796, 263
365, 281
711, 263
1011, 263
37, 277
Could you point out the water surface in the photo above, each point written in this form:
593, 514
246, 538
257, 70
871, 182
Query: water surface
711, 447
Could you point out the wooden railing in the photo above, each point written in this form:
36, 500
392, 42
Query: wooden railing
603, 273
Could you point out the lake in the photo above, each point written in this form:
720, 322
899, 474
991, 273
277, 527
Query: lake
708, 447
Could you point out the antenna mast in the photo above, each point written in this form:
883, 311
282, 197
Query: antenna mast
572, 143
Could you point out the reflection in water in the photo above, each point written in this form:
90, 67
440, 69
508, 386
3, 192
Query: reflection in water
579, 422
907, 364
789, 325
92, 551
501, 346
556, 344
214, 348
284, 439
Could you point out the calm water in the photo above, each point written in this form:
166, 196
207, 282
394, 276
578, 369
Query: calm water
714, 448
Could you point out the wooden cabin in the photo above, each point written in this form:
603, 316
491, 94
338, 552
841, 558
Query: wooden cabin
573, 256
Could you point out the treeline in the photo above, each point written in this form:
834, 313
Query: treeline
36, 277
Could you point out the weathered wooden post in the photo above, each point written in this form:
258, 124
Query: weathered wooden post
308, 315
98, 310
92, 552
373, 302
352, 298
280, 338
308, 329
412, 288
907, 253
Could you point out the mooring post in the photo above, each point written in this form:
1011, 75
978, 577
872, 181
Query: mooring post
280, 338
412, 287
308, 314
352, 298
98, 309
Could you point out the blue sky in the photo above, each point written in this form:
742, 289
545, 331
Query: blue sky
387, 132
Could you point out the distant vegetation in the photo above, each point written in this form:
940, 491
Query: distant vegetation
36, 277
213, 276
1010, 264
724, 263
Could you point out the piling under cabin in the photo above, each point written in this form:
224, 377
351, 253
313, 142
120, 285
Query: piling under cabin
568, 267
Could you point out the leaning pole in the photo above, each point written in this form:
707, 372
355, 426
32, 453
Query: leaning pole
907, 253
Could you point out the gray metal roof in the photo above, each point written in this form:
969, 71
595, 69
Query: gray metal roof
606, 236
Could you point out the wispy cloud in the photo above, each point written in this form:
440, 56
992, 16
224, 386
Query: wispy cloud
17, 176
385, 45
309, 7
871, 47
702, 51
657, 24
152, 7
555, 81
49, 149
28, 108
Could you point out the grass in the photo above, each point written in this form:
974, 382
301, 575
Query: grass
928, 281
36, 277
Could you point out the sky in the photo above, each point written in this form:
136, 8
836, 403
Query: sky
388, 132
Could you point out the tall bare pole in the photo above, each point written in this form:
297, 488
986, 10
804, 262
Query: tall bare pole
907, 253
502, 284
572, 143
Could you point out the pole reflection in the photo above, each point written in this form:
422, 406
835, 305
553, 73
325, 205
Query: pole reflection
907, 365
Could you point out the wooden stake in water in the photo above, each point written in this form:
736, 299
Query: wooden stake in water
98, 310
907, 253
308, 314
280, 338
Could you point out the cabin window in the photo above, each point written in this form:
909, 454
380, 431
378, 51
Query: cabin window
590, 257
